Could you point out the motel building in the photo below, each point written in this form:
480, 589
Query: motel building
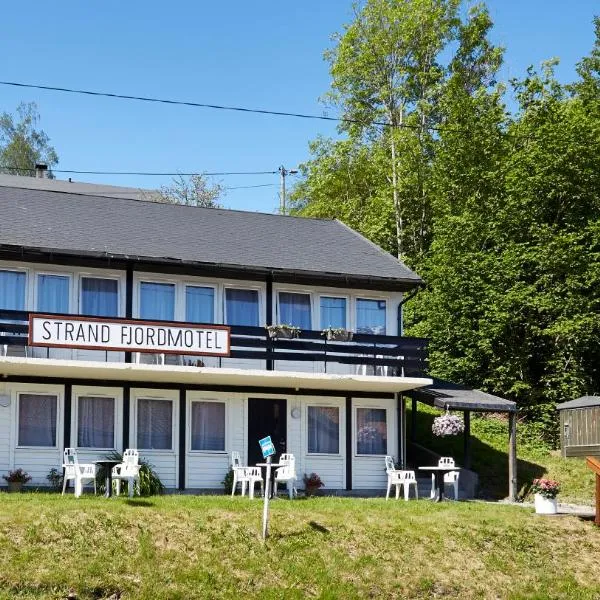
127, 323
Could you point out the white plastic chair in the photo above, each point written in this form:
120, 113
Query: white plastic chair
76, 472
406, 479
446, 461
452, 479
286, 474
236, 465
250, 476
128, 470
393, 479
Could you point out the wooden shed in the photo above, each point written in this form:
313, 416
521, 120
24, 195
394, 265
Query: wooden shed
580, 426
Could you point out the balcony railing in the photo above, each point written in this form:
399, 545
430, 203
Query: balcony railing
370, 354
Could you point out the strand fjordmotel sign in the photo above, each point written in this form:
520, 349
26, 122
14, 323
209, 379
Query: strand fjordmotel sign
268, 450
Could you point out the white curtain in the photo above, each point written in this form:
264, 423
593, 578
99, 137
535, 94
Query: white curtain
241, 307
199, 304
370, 316
99, 297
157, 301
323, 429
294, 309
154, 424
333, 312
96, 422
371, 431
37, 420
208, 426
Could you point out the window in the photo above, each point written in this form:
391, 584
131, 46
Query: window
241, 307
371, 431
199, 304
370, 316
37, 420
333, 312
95, 422
99, 297
12, 290
154, 424
294, 309
208, 426
323, 429
157, 301
53, 293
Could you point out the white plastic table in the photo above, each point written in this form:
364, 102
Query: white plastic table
271, 483
439, 473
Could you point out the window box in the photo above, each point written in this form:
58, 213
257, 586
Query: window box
283, 331
338, 334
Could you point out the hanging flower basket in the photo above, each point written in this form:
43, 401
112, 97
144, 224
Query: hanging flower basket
283, 331
447, 424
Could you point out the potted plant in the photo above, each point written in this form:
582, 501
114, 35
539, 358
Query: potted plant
55, 478
16, 479
545, 492
447, 424
337, 334
283, 331
312, 483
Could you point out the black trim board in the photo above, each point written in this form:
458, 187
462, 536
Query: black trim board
68, 399
182, 437
349, 443
201, 387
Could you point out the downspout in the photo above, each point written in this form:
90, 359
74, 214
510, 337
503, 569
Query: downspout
401, 304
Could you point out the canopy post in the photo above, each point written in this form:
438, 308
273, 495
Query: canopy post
512, 456
413, 420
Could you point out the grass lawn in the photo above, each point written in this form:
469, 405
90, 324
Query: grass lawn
209, 547
490, 457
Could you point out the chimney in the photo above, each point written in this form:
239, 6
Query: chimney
41, 170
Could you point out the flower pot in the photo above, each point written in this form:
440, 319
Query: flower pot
545, 506
283, 334
311, 490
15, 486
342, 336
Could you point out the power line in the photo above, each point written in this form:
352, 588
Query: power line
213, 106
144, 173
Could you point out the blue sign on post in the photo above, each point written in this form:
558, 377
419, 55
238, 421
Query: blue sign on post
266, 445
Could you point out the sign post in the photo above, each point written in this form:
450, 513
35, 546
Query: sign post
268, 450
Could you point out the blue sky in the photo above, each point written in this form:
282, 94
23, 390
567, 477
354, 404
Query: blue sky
263, 54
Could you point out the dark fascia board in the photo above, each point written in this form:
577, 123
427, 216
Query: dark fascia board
175, 266
441, 401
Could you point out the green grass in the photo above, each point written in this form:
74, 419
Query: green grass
209, 547
490, 457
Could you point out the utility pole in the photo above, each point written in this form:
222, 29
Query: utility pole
283, 173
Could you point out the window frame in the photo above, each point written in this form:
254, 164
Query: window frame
300, 292
337, 454
54, 395
388, 422
173, 448
215, 288
254, 288
374, 299
225, 424
26, 294
159, 281
75, 422
36, 291
87, 275
345, 297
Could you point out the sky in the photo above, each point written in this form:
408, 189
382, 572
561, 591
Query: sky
262, 54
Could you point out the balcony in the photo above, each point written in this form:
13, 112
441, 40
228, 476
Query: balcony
253, 348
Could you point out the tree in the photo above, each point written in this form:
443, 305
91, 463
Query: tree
22, 144
195, 191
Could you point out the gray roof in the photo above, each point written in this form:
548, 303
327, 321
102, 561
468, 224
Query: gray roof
444, 394
582, 402
85, 225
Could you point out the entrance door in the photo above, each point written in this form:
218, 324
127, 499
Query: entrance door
266, 417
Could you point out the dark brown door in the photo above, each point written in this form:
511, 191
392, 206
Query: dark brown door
266, 417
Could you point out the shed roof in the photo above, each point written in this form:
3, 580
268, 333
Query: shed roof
444, 394
582, 402
62, 222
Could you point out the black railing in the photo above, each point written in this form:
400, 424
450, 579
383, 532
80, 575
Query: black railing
377, 354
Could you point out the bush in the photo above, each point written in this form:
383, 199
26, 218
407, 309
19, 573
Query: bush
55, 477
17, 476
228, 481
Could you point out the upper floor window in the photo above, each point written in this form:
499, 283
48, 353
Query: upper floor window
12, 290
99, 297
333, 312
157, 301
294, 309
241, 307
199, 304
370, 316
53, 293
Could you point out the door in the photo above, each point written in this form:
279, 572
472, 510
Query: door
266, 417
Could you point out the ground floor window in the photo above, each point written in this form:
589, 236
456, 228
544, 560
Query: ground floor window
208, 426
37, 420
154, 424
95, 422
323, 430
371, 431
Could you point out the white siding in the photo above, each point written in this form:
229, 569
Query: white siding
5, 430
207, 469
368, 472
165, 462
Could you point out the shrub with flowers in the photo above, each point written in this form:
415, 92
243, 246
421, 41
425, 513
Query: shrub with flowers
548, 488
447, 424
